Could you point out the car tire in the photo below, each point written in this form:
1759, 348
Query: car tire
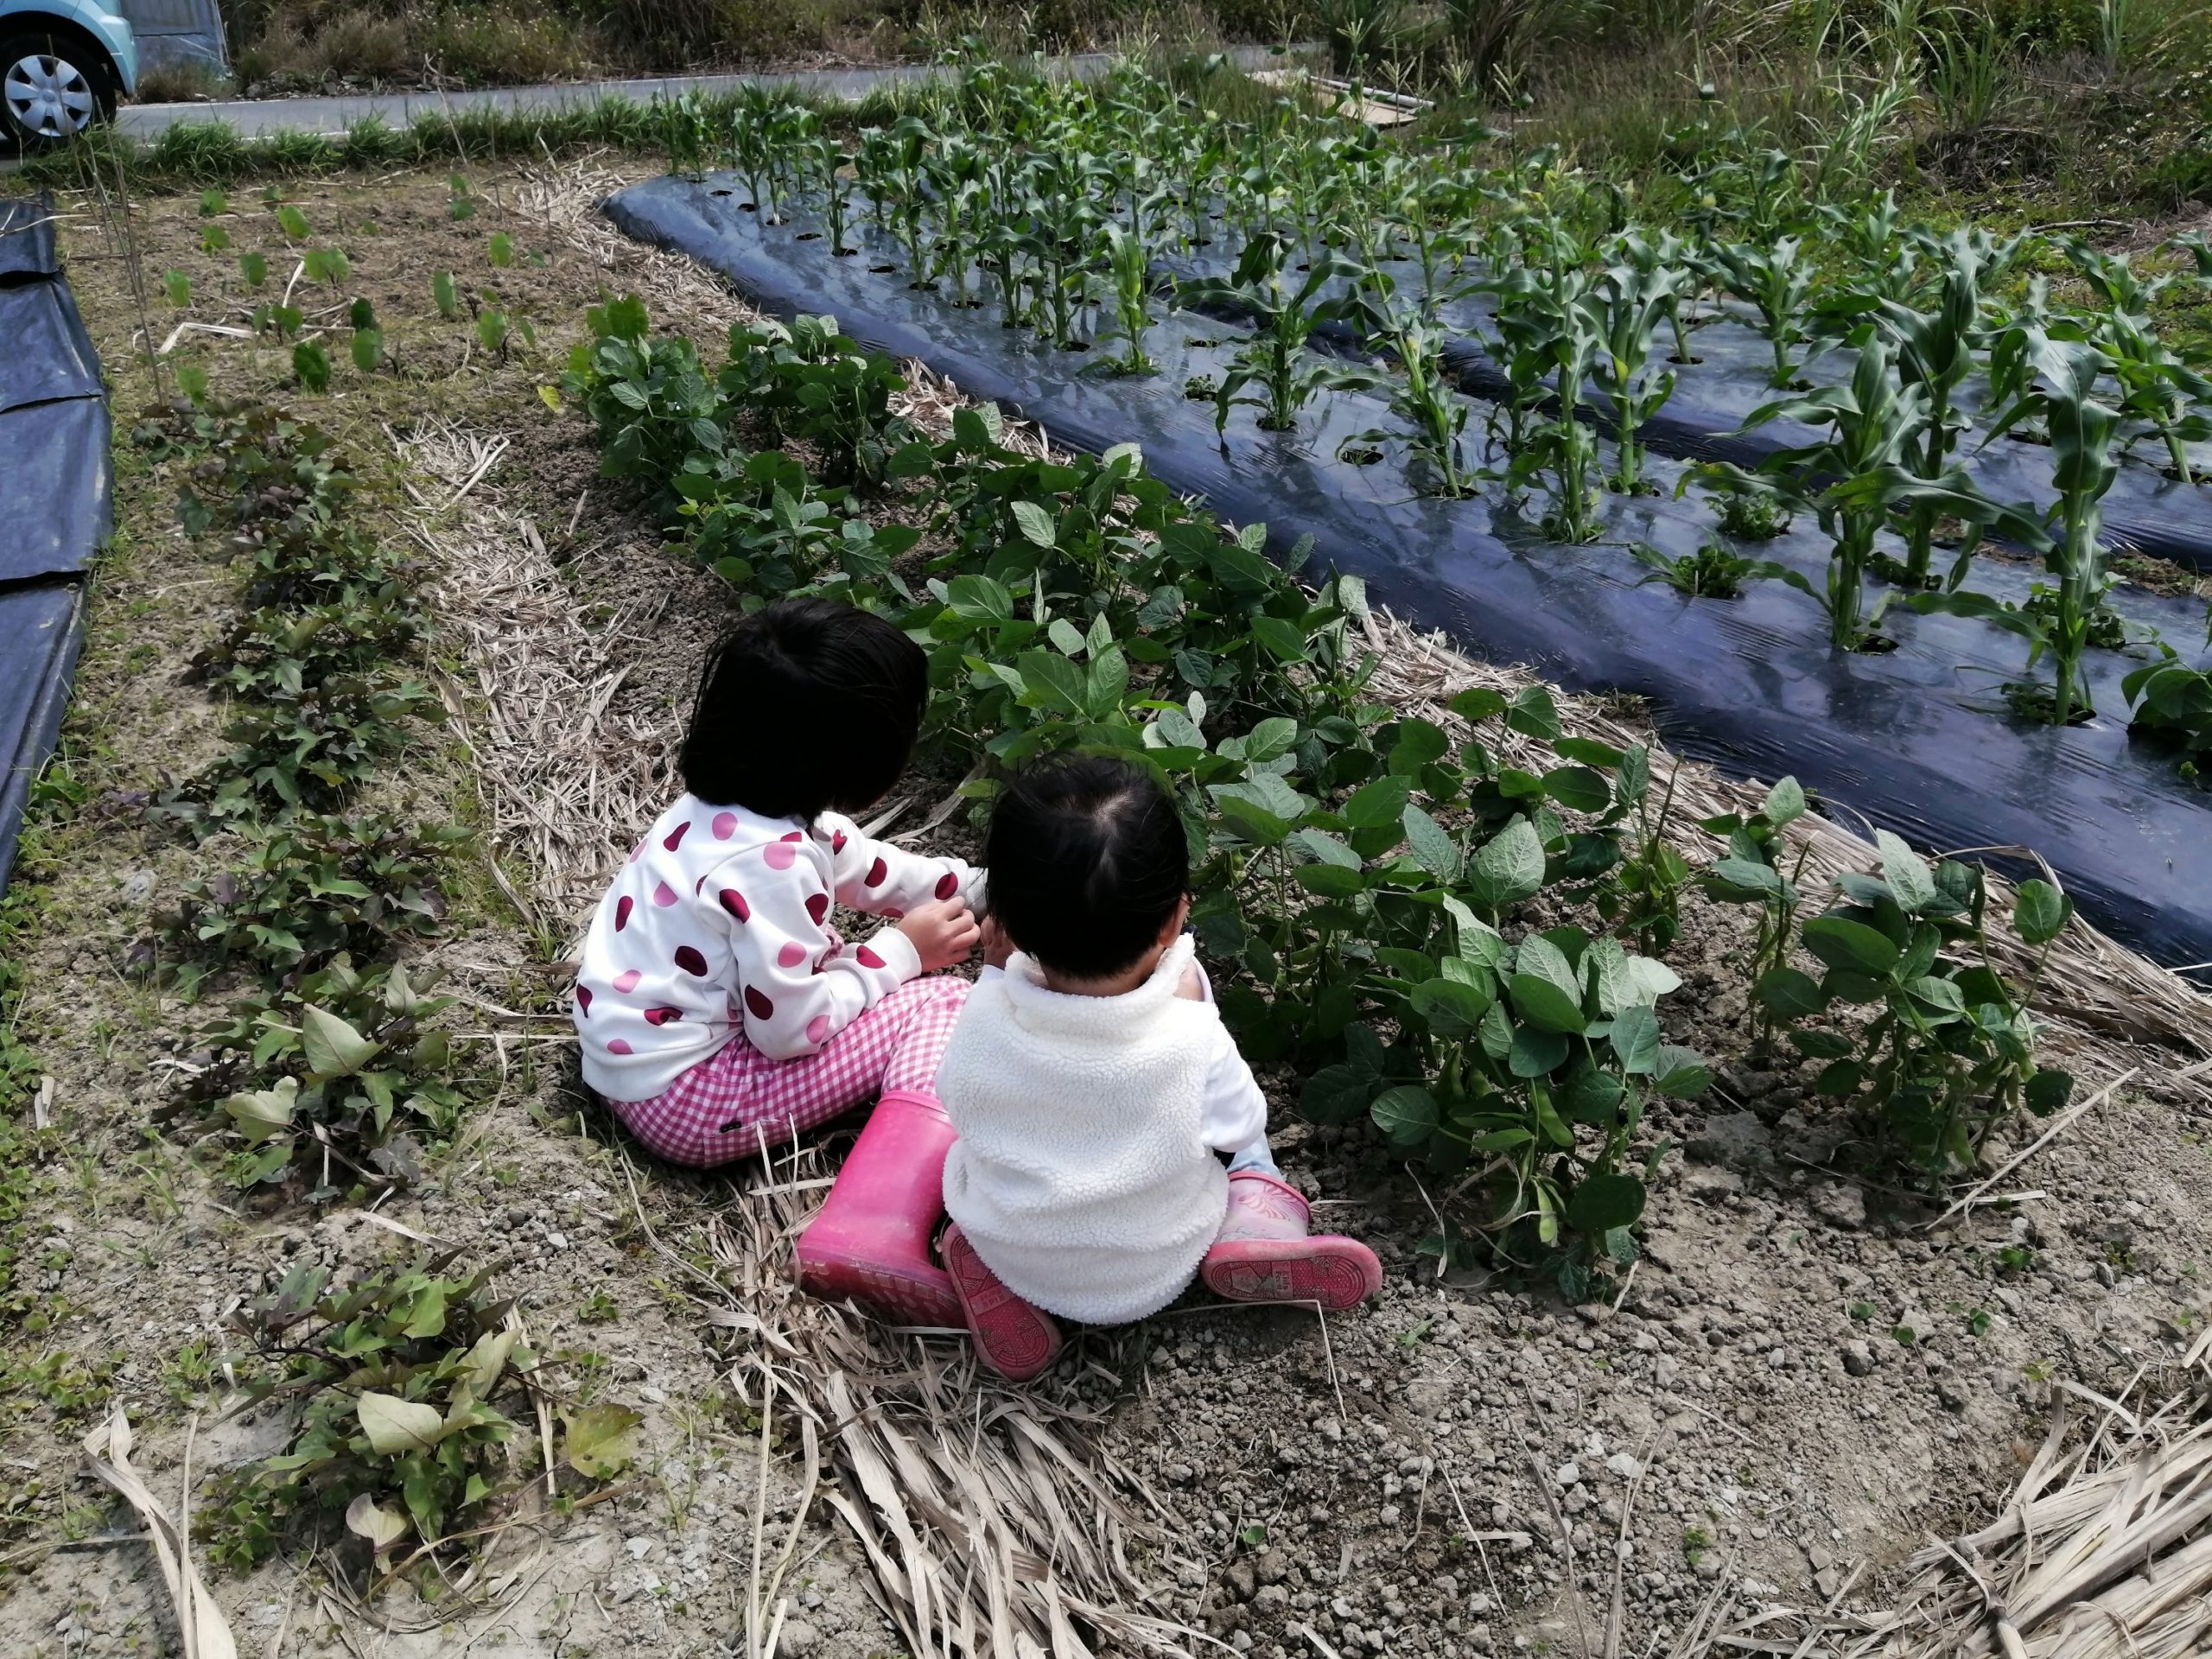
54, 86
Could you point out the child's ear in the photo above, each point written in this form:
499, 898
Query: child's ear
1175, 920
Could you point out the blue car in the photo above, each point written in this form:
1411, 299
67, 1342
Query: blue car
63, 63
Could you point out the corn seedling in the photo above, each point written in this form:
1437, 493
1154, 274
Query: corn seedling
1274, 358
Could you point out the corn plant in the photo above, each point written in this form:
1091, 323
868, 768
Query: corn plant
1062, 234
1775, 280
1550, 337
1850, 480
2085, 439
828, 162
2156, 387
1625, 307
1273, 358
1936, 352
1423, 396
1129, 263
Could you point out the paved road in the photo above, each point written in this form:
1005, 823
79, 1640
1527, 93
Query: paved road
331, 116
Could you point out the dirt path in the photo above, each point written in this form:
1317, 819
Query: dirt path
1804, 1376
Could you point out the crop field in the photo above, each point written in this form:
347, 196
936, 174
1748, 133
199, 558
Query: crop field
1688, 704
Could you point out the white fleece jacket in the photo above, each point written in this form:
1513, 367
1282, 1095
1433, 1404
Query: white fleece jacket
1084, 1173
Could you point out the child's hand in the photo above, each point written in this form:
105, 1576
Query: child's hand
944, 932
996, 946
1190, 988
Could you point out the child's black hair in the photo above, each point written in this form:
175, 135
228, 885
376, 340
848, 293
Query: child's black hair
1088, 861
806, 706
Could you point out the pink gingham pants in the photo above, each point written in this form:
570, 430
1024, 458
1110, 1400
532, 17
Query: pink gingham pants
738, 1100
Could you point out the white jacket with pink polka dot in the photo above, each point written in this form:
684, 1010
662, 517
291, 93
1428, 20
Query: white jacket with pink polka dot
717, 929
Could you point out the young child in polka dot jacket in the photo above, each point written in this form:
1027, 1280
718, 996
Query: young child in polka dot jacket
719, 1010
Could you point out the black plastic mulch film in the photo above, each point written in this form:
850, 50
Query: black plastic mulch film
54, 502
1915, 739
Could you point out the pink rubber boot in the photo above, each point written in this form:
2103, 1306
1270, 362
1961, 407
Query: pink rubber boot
1015, 1339
1262, 1253
871, 1241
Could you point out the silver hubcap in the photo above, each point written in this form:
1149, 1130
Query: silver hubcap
49, 98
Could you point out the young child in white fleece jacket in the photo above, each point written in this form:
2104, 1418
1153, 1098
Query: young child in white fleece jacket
719, 1010
1096, 1094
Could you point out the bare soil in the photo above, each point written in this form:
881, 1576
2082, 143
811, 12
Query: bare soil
1811, 1369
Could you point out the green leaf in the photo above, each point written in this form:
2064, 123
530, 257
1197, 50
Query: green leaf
1579, 788
1377, 803
397, 1426
1508, 868
979, 598
1785, 803
1452, 1007
1843, 1077
1271, 738
487, 1359
1937, 992
1853, 946
1591, 752
443, 294
1329, 881
1407, 1113
1533, 713
1789, 995
1821, 1045
1336, 1093
1034, 523
1535, 1053
1911, 883
1681, 1073
311, 364
1418, 743
1433, 847
332, 1048
1477, 704
1636, 1040
1604, 1202
599, 1441
2040, 913
1743, 875
263, 1112
2049, 1090
365, 1518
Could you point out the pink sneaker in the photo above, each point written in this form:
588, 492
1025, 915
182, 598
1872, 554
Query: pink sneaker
870, 1241
1262, 1253
1013, 1337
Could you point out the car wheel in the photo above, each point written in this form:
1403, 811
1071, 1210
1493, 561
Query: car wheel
52, 88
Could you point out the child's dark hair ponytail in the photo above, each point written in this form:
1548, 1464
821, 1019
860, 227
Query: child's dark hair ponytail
806, 706
1088, 861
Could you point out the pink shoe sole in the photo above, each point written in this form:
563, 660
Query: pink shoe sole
1337, 1273
1013, 1337
914, 1294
